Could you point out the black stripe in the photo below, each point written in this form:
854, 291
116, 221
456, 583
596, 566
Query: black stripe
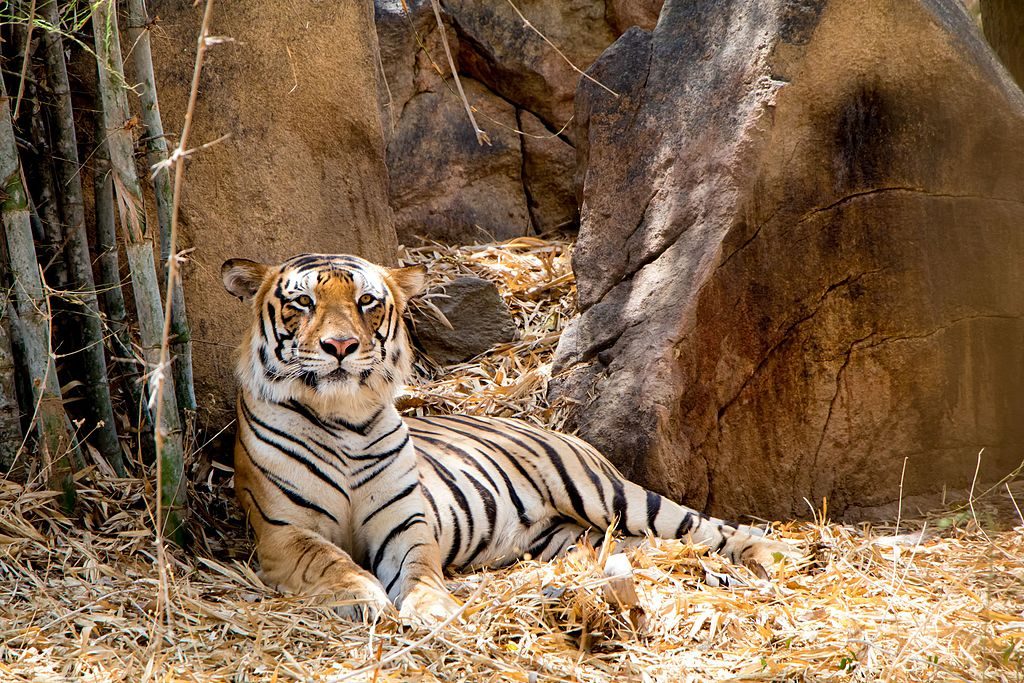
330, 424
279, 338
575, 499
401, 564
251, 417
437, 515
542, 540
453, 486
409, 522
391, 501
724, 540
381, 438
653, 508
456, 450
478, 423
285, 488
620, 507
491, 512
304, 261
380, 469
456, 538
312, 468
259, 509
686, 525
517, 502
377, 457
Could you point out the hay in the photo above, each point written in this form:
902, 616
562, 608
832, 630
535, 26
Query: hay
940, 597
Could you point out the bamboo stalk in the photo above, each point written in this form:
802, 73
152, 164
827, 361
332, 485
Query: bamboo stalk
112, 299
10, 414
156, 152
85, 307
139, 250
45, 200
58, 447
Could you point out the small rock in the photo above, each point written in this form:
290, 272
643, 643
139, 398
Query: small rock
478, 316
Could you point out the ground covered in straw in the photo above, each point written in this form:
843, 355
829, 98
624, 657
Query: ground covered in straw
936, 596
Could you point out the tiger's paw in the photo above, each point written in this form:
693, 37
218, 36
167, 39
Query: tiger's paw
361, 599
426, 606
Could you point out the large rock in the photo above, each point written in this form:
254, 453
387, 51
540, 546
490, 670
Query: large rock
304, 167
625, 14
800, 258
411, 54
447, 186
498, 49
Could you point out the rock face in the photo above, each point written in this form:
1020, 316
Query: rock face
303, 169
479, 320
498, 49
549, 165
446, 186
800, 255
625, 14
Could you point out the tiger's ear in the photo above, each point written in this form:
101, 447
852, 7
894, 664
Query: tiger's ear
242, 277
407, 282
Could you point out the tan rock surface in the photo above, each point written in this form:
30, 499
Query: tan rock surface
304, 167
800, 258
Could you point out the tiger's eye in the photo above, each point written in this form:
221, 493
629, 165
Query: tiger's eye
366, 299
305, 301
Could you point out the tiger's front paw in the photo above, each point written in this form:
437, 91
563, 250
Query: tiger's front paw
425, 606
360, 598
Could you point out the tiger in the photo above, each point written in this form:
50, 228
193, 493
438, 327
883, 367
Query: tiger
349, 499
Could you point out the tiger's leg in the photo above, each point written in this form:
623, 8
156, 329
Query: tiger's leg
401, 549
647, 512
637, 512
301, 561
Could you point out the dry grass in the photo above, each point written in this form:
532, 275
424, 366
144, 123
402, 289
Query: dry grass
940, 598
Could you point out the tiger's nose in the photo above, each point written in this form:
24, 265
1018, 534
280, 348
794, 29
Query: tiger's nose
339, 348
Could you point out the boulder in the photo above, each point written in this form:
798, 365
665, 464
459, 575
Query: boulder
625, 14
479, 320
498, 49
303, 169
447, 186
800, 256
549, 165
411, 54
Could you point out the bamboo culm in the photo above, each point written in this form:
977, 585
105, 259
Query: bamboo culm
112, 299
139, 251
45, 204
10, 413
58, 446
156, 152
102, 431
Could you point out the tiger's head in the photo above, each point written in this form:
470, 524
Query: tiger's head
326, 329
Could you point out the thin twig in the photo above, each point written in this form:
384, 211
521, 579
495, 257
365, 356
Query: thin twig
172, 275
1014, 501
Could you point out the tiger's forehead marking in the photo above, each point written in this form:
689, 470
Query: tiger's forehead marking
309, 272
